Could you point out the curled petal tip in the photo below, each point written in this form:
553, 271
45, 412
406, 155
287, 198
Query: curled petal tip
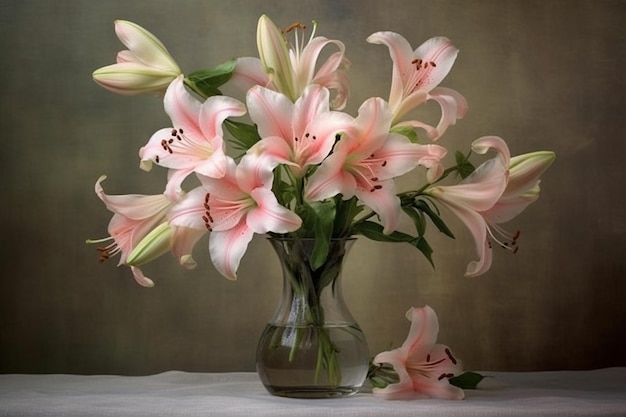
188, 262
145, 165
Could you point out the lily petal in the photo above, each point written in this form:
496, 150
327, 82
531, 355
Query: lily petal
133, 206
401, 54
228, 247
330, 179
268, 215
273, 110
188, 212
436, 389
424, 328
453, 107
141, 279
146, 47
183, 242
483, 144
384, 202
248, 73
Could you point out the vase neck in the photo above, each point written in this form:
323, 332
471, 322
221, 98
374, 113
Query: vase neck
311, 296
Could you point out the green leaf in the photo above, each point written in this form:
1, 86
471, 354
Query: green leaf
418, 219
467, 380
374, 231
407, 131
244, 135
346, 211
325, 219
426, 249
207, 81
464, 166
317, 221
434, 217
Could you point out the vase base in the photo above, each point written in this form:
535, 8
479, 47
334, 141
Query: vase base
311, 392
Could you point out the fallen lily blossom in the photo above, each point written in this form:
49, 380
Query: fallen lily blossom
422, 366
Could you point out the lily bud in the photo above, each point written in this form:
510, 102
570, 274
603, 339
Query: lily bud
146, 66
522, 188
274, 55
525, 170
155, 244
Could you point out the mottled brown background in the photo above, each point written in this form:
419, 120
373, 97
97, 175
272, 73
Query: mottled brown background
541, 74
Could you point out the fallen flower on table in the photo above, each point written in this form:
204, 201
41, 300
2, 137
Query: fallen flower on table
420, 367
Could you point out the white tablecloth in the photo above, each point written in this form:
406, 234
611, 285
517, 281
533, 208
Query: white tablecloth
599, 392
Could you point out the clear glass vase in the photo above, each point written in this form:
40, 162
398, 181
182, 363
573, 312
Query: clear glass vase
312, 347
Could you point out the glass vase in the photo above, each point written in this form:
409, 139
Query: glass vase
312, 347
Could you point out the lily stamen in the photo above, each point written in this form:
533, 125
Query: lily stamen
178, 142
510, 242
293, 26
105, 252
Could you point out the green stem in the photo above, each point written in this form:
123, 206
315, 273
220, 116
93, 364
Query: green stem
194, 88
307, 286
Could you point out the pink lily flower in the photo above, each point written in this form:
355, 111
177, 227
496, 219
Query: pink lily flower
233, 208
522, 188
195, 143
135, 216
416, 76
146, 66
476, 194
290, 69
296, 134
422, 365
167, 238
365, 161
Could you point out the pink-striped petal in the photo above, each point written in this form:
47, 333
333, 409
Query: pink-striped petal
184, 240
269, 216
141, 278
188, 212
272, 111
133, 206
401, 55
424, 328
440, 51
248, 73
228, 247
212, 114
329, 180
453, 107
383, 201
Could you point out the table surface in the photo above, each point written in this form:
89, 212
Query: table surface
600, 392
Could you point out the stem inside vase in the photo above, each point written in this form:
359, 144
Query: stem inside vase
312, 347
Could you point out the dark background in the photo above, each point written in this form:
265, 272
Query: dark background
541, 74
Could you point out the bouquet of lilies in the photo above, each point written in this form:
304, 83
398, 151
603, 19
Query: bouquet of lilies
302, 167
